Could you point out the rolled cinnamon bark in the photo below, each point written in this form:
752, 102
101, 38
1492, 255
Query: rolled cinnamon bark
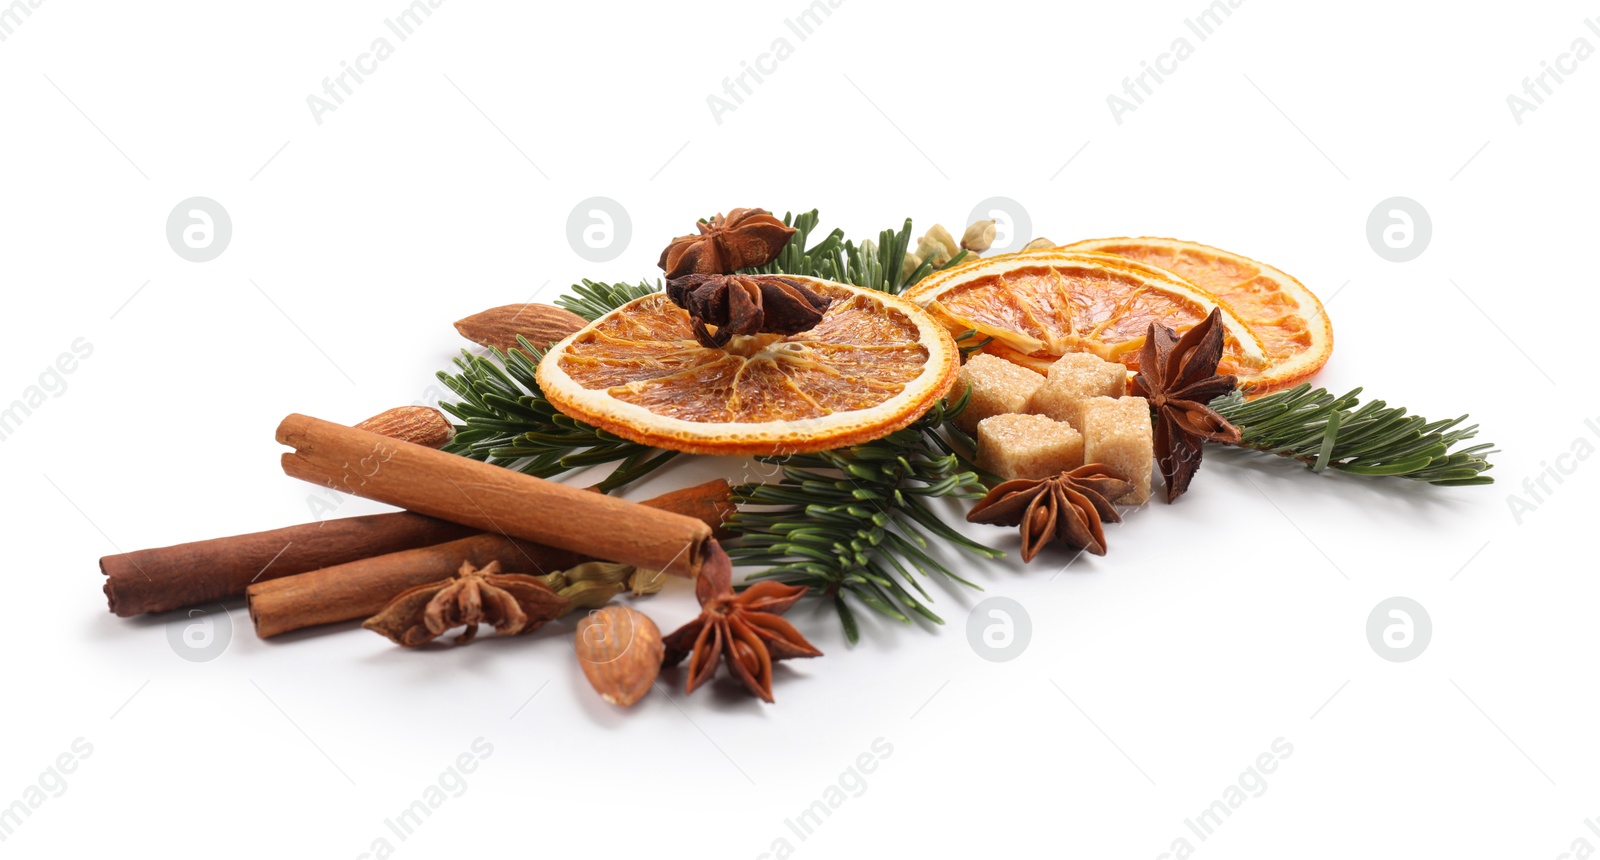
490, 498
360, 589
157, 580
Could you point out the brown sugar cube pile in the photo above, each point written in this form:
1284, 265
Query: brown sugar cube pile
1028, 446
998, 388
1090, 374
1116, 433
1074, 378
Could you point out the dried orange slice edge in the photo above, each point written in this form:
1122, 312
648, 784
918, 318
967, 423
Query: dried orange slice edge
873, 365
1040, 305
1288, 318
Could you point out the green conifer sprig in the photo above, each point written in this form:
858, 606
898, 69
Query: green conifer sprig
1341, 433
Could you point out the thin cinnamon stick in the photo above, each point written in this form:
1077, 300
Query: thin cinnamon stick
158, 580
490, 498
360, 589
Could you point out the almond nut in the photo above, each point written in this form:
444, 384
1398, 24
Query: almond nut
620, 650
420, 424
543, 325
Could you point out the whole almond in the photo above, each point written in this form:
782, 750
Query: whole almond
420, 424
620, 651
542, 325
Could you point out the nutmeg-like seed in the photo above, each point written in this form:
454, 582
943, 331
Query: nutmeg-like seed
420, 424
979, 236
543, 325
620, 651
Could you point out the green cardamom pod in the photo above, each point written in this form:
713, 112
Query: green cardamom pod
592, 585
643, 582
590, 595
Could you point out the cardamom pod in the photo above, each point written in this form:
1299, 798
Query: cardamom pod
929, 248
591, 585
979, 236
1039, 244
909, 264
939, 234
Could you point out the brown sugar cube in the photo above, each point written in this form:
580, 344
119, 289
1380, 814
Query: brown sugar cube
1060, 402
1088, 375
1116, 433
1062, 407
1028, 446
998, 388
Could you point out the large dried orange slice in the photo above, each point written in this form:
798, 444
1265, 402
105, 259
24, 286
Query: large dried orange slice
1287, 317
873, 365
1040, 305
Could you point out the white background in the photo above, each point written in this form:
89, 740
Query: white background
1154, 676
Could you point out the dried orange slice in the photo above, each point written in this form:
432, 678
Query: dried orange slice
1040, 305
1286, 316
873, 365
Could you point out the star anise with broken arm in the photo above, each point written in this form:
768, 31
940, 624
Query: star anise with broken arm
743, 629
746, 304
1069, 507
1179, 378
512, 602
742, 238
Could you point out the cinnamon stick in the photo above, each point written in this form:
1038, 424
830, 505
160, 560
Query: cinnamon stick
490, 498
157, 580
360, 589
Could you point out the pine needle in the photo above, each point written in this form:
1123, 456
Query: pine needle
506, 421
1341, 433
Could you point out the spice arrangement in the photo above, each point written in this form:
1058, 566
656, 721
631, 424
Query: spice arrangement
884, 389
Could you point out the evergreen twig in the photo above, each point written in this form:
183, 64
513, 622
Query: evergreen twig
506, 421
856, 521
1341, 433
593, 300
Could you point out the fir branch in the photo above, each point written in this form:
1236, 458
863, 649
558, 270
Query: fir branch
593, 300
855, 521
875, 265
1327, 432
506, 421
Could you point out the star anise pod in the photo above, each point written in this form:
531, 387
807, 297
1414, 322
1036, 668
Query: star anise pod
742, 629
746, 304
1069, 507
1179, 378
742, 238
512, 602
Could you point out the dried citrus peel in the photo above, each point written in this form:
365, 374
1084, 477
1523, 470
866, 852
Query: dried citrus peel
873, 365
